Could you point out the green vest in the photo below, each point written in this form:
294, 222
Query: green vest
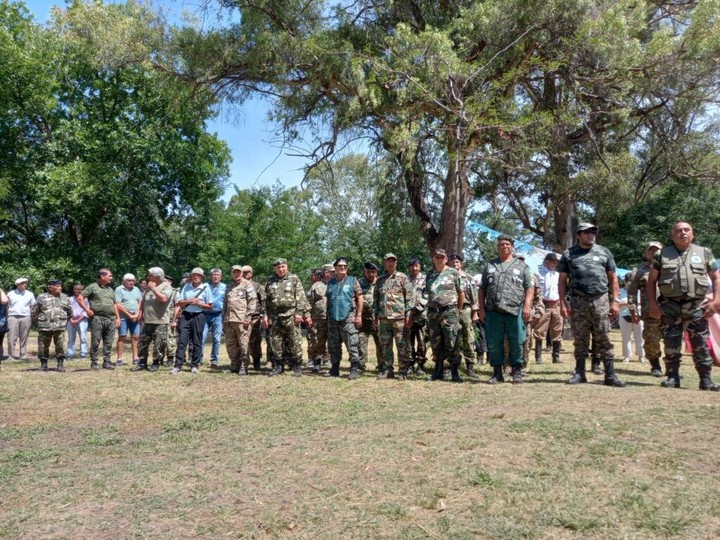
683, 275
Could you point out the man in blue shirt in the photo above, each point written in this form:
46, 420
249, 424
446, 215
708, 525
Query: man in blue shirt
344, 316
193, 300
213, 318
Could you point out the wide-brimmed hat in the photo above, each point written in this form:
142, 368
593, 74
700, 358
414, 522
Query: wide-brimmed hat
197, 270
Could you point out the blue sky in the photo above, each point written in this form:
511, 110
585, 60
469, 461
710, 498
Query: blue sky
257, 160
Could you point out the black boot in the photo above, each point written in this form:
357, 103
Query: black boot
256, 364
538, 351
655, 368
579, 375
673, 378
94, 365
420, 369
556, 352
455, 374
108, 365
43, 365
297, 370
517, 374
278, 369
354, 371
596, 369
437, 374
470, 369
334, 370
610, 378
61, 365
498, 376
705, 380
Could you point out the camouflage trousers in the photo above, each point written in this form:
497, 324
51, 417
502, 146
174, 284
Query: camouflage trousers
317, 336
285, 336
45, 338
590, 316
498, 328
467, 335
652, 336
157, 336
390, 330
415, 338
171, 347
237, 342
366, 332
676, 316
101, 329
256, 337
340, 332
443, 332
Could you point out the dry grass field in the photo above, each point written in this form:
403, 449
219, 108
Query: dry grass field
117, 455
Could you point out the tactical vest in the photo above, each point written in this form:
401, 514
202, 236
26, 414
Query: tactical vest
504, 290
683, 275
341, 298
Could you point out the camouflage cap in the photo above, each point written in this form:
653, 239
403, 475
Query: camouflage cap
280, 261
328, 268
654, 244
236, 267
506, 238
586, 227
390, 256
246, 268
370, 266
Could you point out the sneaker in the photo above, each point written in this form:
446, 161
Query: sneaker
517, 376
495, 379
176, 371
656, 372
214, 366
242, 371
119, 362
194, 370
626, 360
643, 360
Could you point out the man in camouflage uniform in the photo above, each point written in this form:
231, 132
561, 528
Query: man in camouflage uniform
51, 312
393, 302
256, 329
98, 301
505, 301
156, 311
587, 270
684, 272
468, 314
416, 335
445, 295
285, 309
317, 334
239, 305
652, 335
367, 331
171, 344
344, 316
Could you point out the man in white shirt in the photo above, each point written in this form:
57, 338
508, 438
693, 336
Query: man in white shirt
20, 301
547, 278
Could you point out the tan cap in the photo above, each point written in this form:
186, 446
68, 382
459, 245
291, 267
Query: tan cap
328, 267
389, 256
247, 268
654, 244
236, 267
198, 270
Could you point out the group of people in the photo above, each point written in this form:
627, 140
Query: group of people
400, 312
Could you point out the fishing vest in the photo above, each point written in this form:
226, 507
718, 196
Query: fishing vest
683, 275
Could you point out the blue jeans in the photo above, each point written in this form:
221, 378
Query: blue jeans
79, 330
213, 321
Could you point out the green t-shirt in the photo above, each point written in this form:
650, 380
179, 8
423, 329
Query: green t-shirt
101, 299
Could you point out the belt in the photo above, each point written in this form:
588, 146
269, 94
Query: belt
214, 313
441, 309
550, 302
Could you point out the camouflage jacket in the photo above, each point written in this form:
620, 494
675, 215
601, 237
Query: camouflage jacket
419, 313
260, 306
638, 282
285, 297
52, 313
240, 301
470, 290
368, 290
587, 270
443, 288
393, 297
317, 300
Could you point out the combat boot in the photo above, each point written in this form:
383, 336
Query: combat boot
315, 366
354, 371
61, 365
455, 374
673, 378
386, 374
538, 351
556, 352
470, 369
43, 365
610, 378
655, 368
278, 369
498, 376
94, 365
579, 375
517, 374
420, 370
256, 364
242, 372
107, 364
437, 373
705, 380
334, 370
297, 370
596, 369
